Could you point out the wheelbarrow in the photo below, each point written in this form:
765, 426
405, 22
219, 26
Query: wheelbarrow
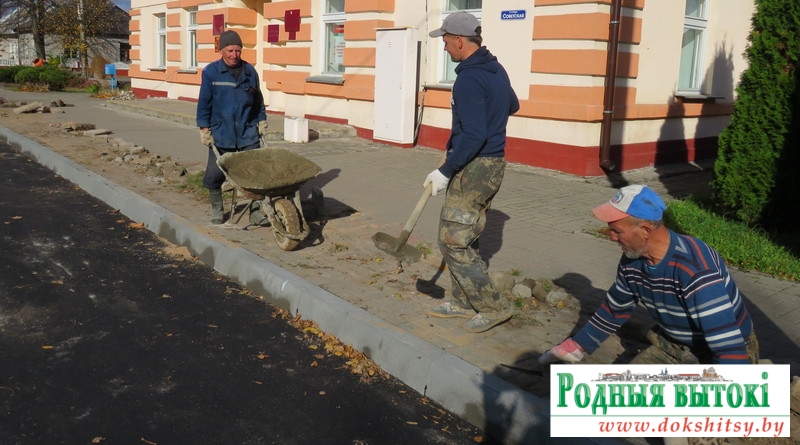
271, 178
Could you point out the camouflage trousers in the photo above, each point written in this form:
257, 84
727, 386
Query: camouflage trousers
667, 352
462, 221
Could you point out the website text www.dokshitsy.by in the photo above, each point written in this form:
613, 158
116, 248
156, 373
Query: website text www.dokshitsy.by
692, 425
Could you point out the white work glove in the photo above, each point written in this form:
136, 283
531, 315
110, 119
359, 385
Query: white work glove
437, 180
205, 137
262, 128
567, 351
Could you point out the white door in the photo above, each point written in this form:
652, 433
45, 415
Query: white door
395, 85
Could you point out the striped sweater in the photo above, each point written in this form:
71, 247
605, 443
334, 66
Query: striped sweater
690, 294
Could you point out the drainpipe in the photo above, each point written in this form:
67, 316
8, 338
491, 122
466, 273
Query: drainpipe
611, 81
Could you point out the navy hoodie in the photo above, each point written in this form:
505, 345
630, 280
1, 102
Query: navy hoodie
481, 103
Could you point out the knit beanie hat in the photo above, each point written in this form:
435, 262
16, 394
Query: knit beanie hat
228, 38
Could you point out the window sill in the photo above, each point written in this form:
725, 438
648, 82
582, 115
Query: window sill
187, 71
329, 79
157, 69
696, 98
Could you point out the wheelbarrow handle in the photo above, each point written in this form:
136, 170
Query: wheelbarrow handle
213, 148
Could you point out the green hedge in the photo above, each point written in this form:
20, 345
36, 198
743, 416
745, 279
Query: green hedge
54, 77
7, 73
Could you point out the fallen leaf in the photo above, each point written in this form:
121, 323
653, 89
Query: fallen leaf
257, 382
262, 356
322, 393
411, 423
16, 217
48, 347
98, 439
136, 225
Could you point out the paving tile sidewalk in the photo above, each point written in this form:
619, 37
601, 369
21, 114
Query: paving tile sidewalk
543, 214
537, 226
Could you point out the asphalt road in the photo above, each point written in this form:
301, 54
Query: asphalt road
107, 336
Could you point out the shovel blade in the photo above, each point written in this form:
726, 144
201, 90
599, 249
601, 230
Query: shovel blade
393, 246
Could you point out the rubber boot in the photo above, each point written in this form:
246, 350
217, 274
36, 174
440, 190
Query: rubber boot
217, 207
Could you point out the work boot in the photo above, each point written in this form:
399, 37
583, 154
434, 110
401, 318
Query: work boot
217, 207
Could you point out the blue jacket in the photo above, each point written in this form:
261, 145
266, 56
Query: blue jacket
231, 108
481, 103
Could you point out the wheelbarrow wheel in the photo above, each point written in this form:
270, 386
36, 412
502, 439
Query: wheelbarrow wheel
287, 215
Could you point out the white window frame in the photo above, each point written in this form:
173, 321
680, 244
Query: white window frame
331, 18
447, 74
161, 40
191, 38
693, 45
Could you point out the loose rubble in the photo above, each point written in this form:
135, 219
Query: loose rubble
155, 168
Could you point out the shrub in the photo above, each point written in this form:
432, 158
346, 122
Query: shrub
28, 74
93, 86
54, 77
755, 173
7, 73
51, 77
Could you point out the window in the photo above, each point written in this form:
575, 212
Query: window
333, 24
473, 7
124, 52
161, 51
191, 38
694, 28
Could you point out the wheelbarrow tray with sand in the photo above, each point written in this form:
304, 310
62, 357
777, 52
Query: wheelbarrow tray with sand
272, 177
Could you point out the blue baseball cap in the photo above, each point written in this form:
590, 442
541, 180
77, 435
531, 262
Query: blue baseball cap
639, 201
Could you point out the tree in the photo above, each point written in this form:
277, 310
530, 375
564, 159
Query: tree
755, 175
84, 24
27, 16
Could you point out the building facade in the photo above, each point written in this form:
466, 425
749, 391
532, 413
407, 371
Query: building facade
603, 84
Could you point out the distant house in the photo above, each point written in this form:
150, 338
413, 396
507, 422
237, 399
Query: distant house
17, 46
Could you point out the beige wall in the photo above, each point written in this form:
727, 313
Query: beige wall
647, 98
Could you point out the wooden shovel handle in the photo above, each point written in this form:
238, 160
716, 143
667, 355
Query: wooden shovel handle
412, 220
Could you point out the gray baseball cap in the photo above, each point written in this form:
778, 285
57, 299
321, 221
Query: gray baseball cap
459, 23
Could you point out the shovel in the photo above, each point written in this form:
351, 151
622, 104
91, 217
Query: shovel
397, 247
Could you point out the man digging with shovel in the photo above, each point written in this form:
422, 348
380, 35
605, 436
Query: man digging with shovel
482, 100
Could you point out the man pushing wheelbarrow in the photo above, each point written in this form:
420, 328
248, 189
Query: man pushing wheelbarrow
230, 114
232, 120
